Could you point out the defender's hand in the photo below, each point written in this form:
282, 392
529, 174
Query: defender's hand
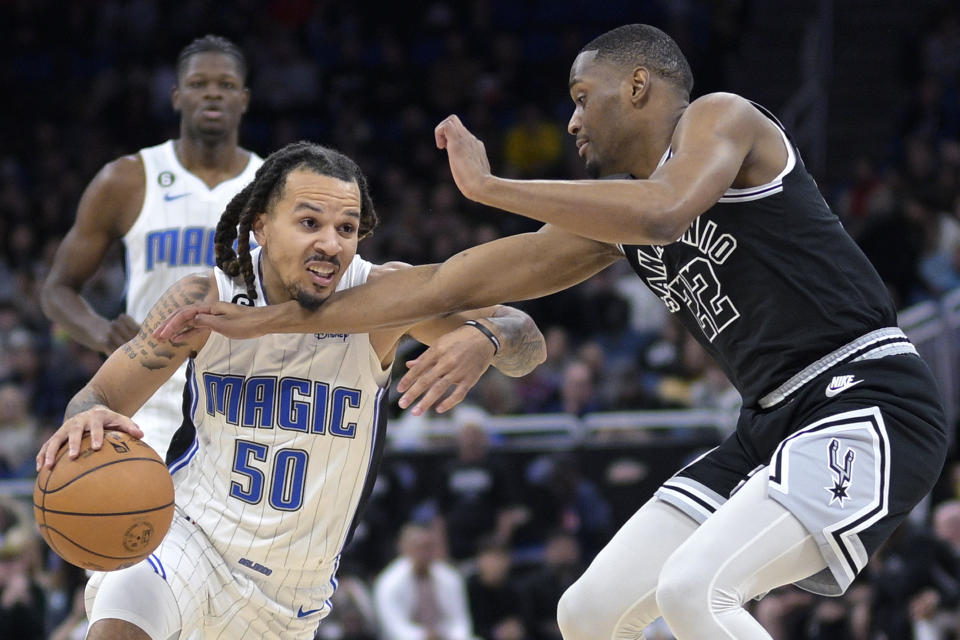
467, 156
94, 420
453, 363
232, 320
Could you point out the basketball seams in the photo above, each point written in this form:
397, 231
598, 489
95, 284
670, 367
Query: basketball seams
136, 556
107, 513
100, 466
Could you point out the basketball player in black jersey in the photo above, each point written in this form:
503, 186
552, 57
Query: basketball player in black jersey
841, 431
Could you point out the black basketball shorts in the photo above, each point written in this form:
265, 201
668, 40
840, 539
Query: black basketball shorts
850, 453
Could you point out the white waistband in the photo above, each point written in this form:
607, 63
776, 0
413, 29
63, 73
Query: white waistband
890, 341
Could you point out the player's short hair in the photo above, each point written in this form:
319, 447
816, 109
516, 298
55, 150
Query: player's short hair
212, 44
640, 44
264, 191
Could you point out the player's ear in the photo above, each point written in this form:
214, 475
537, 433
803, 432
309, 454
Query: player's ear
175, 98
257, 228
639, 86
246, 100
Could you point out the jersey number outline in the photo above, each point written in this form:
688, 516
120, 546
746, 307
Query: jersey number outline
698, 286
287, 476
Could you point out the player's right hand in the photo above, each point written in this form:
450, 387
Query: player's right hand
95, 420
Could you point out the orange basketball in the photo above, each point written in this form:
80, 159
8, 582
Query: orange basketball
106, 509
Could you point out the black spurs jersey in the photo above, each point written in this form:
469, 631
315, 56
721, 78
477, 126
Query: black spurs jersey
767, 280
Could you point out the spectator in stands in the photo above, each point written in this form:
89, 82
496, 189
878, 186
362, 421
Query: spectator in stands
476, 495
946, 523
74, 625
940, 269
914, 577
533, 146
563, 499
418, 596
577, 394
495, 601
541, 589
19, 435
22, 600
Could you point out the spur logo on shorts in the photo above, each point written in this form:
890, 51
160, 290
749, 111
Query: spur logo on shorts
843, 474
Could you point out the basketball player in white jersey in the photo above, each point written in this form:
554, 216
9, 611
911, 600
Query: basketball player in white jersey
163, 203
281, 443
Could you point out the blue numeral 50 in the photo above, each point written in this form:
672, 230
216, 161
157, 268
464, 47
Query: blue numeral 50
289, 471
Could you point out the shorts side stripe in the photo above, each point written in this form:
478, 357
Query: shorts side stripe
841, 537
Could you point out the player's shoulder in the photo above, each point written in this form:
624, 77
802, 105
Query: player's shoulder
125, 172
721, 105
721, 115
115, 195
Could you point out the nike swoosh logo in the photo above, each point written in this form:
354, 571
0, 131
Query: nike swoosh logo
832, 391
303, 614
170, 197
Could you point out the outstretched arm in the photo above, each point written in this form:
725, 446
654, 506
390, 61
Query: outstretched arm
518, 267
712, 140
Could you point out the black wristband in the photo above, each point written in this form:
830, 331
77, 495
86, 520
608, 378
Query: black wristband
482, 329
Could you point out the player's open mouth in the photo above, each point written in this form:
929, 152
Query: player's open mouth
322, 276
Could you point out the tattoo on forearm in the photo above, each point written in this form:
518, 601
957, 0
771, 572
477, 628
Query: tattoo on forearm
152, 354
86, 398
522, 346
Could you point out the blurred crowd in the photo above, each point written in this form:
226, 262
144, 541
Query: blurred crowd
90, 80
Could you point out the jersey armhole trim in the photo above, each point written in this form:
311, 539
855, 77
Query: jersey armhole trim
773, 187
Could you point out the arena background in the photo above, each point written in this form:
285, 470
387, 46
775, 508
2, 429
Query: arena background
869, 89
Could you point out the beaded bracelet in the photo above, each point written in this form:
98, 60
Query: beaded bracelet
482, 329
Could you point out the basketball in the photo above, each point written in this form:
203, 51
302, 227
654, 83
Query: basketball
106, 509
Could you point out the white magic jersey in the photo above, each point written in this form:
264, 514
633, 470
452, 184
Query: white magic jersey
289, 431
172, 237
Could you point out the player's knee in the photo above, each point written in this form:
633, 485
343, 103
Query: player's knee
688, 587
112, 629
681, 589
575, 623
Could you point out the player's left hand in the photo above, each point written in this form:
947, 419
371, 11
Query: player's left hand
452, 364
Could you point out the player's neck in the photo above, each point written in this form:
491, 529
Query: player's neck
212, 162
652, 143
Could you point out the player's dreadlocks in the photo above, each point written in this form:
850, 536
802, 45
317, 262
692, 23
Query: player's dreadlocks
267, 187
212, 44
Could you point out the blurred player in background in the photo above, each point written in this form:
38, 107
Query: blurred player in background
163, 203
